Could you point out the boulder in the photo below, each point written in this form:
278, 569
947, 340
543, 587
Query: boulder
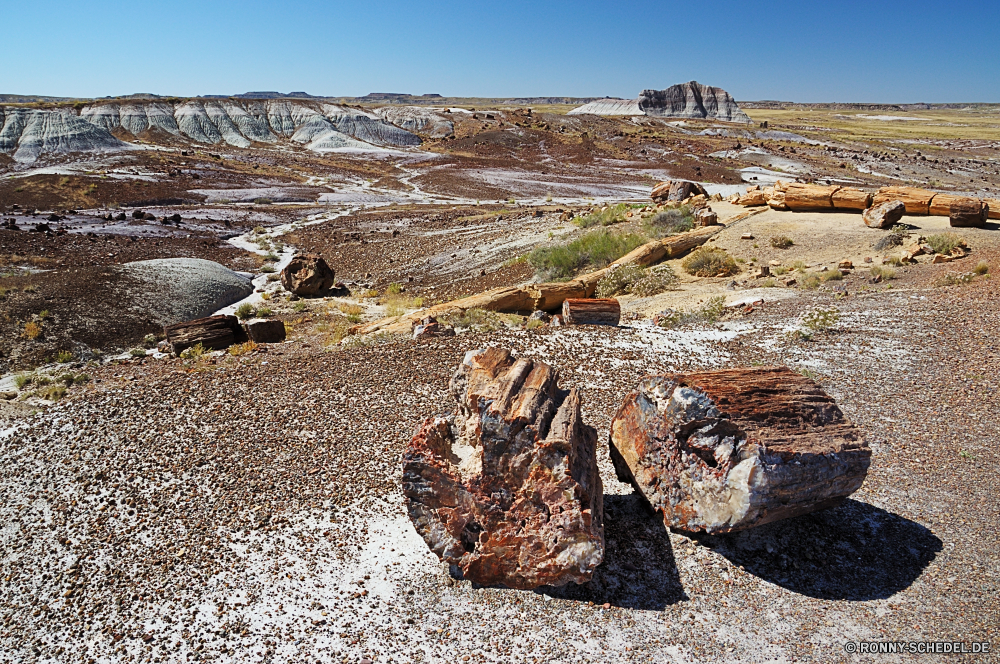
677, 190
720, 451
307, 274
968, 213
803, 197
849, 198
884, 215
917, 201
591, 311
506, 489
212, 332
265, 331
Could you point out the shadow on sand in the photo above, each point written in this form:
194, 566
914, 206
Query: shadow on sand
639, 571
853, 552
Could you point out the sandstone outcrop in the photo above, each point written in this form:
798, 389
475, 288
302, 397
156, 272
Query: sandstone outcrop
307, 274
506, 490
884, 215
692, 100
720, 451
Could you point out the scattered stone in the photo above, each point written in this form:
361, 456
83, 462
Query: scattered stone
138, 214
430, 327
746, 236
506, 489
720, 451
706, 217
845, 265
307, 274
265, 331
884, 215
543, 316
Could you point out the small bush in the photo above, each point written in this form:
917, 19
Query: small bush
137, 352
658, 279
944, 243
769, 283
271, 258
809, 280
670, 222
533, 323
953, 279
710, 312
592, 250
299, 307
895, 261
32, 330
779, 270
194, 352
398, 304
64, 356
798, 266
820, 320
267, 269
265, 296
53, 392
259, 230
44, 313
264, 312
149, 340
22, 379
394, 288
619, 279
710, 262
273, 277
243, 349
832, 275
781, 242
982, 267
245, 311
886, 273
478, 318
613, 214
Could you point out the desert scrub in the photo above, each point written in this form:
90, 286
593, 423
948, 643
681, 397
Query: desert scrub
591, 250
264, 312
886, 273
271, 258
243, 349
299, 307
831, 275
769, 283
473, 318
267, 269
32, 330
397, 304
982, 267
23, 379
809, 280
516, 260
194, 352
245, 311
709, 313
619, 279
798, 266
779, 270
52, 392
353, 311
613, 214
944, 243
137, 352
956, 279
781, 242
710, 262
820, 320
670, 222
64, 357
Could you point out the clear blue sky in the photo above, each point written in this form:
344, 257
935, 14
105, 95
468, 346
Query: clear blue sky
872, 51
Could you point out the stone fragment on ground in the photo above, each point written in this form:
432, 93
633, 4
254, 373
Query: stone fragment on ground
308, 275
265, 331
884, 215
506, 489
721, 451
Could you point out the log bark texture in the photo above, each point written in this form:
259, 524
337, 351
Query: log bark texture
506, 489
720, 451
917, 201
213, 332
265, 331
592, 311
968, 213
849, 198
802, 197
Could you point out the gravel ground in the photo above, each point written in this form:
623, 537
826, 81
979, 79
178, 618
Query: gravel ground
248, 509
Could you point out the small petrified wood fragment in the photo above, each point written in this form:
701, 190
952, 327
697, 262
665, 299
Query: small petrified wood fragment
591, 311
507, 489
213, 332
719, 451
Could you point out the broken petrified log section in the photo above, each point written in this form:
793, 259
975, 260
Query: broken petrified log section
884, 215
720, 451
506, 489
265, 331
308, 275
596, 311
968, 213
213, 332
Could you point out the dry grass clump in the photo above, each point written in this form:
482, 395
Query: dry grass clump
613, 214
886, 273
809, 280
670, 222
781, 242
832, 275
243, 349
944, 243
32, 330
644, 282
982, 267
710, 262
396, 302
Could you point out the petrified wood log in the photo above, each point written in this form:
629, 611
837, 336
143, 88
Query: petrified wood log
598, 311
809, 196
215, 332
917, 201
506, 489
968, 213
719, 451
849, 198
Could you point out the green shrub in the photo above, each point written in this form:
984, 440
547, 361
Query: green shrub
820, 320
477, 318
267, 269
670, 222
244, 311
299, 307
832, 275
944, 243
137, 352
658, 279
781, 242
619, 279
22, 379
710, 262
779, 270
592, 250
53, 392
64, 356
809, 280
264, 312
271, 258
613, 214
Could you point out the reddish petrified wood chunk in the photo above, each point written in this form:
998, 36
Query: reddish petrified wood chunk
719, 451
591, 311
506, 489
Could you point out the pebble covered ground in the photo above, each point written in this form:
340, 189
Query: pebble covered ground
248, 509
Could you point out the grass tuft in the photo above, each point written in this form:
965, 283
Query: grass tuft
710, 262
593, 250
944, 243
781, 242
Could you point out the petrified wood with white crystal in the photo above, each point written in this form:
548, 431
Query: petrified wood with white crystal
719, 451
506, 489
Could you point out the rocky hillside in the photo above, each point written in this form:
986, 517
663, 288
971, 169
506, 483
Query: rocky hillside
692, 100
28, 133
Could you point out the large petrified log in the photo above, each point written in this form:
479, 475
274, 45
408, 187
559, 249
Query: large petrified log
803, 197
506, 489
719, 451
917, 201
591, 311
213, 332
850, 198
968, 213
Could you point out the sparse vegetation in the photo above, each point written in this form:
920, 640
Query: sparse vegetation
246, 348
781, 242
195, 352
137, 352
245, 311
475, 318
612, 214
267, 269
32, 330
956, 279
982, 267
593, 250
709, 313
64, 357
809, 280
886, 273
820, 320
831, 275
264, 312
944, 243
299, 307
670, 222
710, 262
779, 270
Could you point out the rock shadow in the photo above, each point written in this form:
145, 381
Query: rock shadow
853, 552
639, 570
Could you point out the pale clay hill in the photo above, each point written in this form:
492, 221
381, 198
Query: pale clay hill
28, 133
